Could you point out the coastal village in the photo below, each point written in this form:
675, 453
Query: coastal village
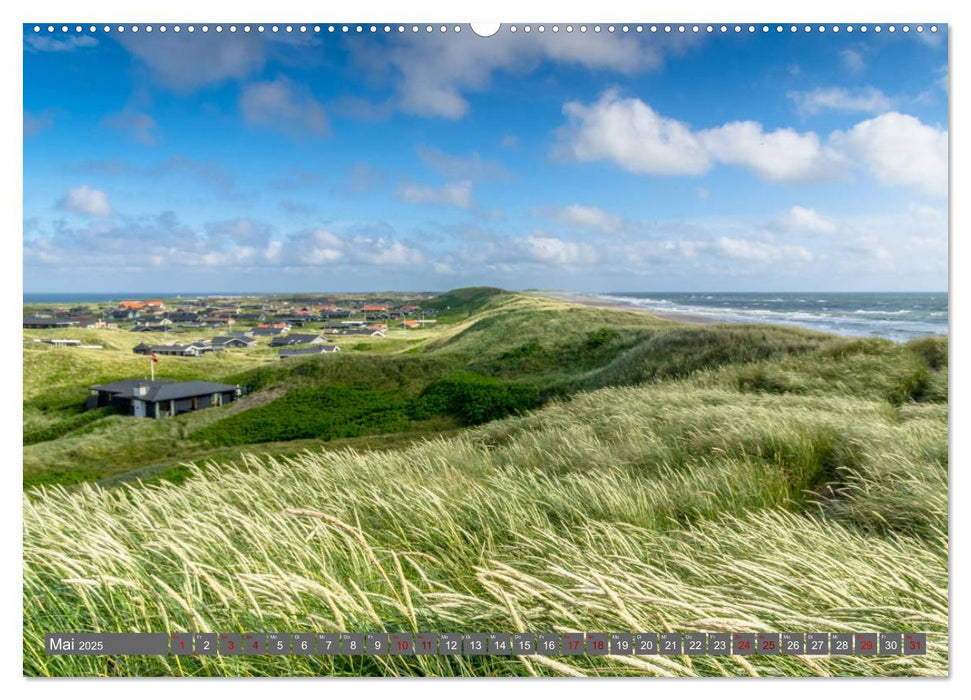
287, 327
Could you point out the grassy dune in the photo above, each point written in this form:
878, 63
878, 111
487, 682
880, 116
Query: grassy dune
710, 479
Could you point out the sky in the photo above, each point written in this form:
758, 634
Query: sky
314, 162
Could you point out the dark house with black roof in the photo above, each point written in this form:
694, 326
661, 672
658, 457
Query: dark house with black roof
312, 350
233, 341
158, 399
297, 339
190, 350
48, 322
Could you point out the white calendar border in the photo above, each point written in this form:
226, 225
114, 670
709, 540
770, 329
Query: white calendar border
762, 11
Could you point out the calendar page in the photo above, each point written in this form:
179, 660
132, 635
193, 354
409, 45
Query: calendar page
441, 349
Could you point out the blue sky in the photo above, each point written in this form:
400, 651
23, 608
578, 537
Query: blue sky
325, 162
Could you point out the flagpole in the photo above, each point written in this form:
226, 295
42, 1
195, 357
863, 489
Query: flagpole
151, 361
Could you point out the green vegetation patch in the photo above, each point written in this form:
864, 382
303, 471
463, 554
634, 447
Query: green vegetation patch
323, 413
72, 423
459, 304
474, 399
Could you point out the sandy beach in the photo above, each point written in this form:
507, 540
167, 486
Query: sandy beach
613, 306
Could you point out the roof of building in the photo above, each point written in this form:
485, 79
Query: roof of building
223, 339
49, 320
164, 391
315, 350
296, 339
169, 348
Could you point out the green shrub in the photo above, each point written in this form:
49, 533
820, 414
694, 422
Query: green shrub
600, 338
932, 349
766, 380
325, 413
523, 351
474, 399
74, 422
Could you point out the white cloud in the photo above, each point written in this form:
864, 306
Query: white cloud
471, 168
379, 251
320, 248
899, 150
284, 106
47, 43
804, 220
360, 178
852, 60
783, 155
628, 132
454, 194
273, 250
325, 248
86, 200
584, 217
240, 231
761, 251
139, 125
551, 250
631, 134
943, 80
838, 99
185, 62
36, 123
908, 242
433, 72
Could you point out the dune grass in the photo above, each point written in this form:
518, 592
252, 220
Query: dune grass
715, 478
689, 505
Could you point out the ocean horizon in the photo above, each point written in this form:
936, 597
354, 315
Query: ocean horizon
899, 316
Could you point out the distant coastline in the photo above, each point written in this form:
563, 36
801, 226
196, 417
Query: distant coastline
899, 316
617, 306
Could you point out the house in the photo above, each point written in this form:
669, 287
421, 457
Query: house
297, 339
147, 328
270, 329
157, 399
233, 342
264, 332
48, 322
60, 341
89, 322
365, 331
123, 314
184, 317
191, 350
314, 350
139, 305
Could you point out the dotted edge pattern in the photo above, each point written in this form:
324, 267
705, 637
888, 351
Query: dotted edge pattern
511, 28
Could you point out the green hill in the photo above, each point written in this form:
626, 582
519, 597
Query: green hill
643, 475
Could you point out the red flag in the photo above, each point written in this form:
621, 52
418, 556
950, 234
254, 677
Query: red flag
154, 357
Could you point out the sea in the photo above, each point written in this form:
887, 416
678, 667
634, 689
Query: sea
899, 316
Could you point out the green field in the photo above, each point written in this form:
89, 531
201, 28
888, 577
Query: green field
527, 465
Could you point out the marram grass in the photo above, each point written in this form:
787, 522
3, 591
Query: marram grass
686, 506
